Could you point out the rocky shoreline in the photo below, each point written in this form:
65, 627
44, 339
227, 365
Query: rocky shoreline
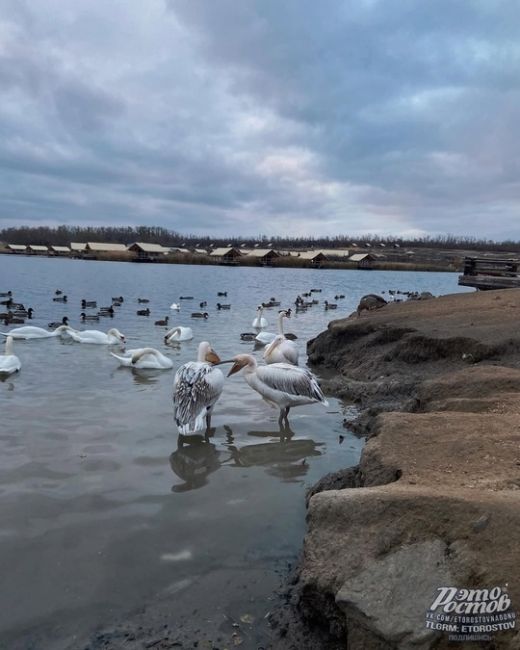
435, 499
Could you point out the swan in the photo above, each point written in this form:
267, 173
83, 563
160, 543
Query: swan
178, 334
269, 337
144, 358
259, 322
175, 306
196, 389
280, 384
281, 351
9, 362
32, 332
96, 337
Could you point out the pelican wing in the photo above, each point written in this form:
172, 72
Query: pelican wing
197, 386
291, 380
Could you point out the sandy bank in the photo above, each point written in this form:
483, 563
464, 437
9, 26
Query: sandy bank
435, 501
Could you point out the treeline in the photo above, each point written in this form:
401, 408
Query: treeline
64, 235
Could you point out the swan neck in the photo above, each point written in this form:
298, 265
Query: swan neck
9, 345
280, 323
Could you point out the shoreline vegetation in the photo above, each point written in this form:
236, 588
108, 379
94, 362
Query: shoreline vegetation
150, 244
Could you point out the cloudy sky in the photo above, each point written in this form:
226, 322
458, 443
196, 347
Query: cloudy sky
262, 116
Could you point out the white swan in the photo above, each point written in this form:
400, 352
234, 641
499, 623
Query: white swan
96, 337
32, 332
281, 351
280, 384
178, 334
196, 389
259, 321
9, 362
175, 306
269, 337
144, 358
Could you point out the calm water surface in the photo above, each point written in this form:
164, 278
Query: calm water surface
100, 510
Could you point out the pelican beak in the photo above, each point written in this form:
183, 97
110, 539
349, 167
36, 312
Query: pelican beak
236, 367
213, 358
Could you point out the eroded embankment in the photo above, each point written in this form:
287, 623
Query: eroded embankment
435, 500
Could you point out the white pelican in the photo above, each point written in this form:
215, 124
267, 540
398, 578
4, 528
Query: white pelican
96, 337
281, 351
259, 321
32, 332
144, 358
269, 337
280, 384
175, 306
178, 334
196, 389
9, 362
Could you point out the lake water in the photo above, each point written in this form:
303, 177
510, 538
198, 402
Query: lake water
101, 513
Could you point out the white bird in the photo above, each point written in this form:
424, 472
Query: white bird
9, 362
269, 337
281, 351
196, 388
145, 359
175, 306
259, 321
280, 384
32, 332
178, 334
96, 337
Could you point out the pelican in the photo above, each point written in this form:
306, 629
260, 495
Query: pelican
9, 362
269, 337
281, 351
178, 334
32, 332
280, 384
144, 358
259, 322
175, 306
196, 389
96, 337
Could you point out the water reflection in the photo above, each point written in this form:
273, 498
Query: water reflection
283, 456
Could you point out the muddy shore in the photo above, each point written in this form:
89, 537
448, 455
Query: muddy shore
435, 499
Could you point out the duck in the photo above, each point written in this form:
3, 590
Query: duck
143, 312
118, 299
203, 304
196, 389
6, 294
281, 350
58, 292
259, 322
13, 320
144, 359
27, 313
54, 325
178, 334
222, 294
106, 311
185, 297
329, 305
175, 306
96, 337
32, 332
9, 362
221, 306
162, 322
200, 314
60, 299
248, 336
340, 295
89, 317
88, 303
315, 290
142, 300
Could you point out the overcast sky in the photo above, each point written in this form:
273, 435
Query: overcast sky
262, 116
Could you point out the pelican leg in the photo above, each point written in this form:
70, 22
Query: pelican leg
283, 416
287, 415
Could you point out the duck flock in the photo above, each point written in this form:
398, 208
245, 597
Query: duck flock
198, 384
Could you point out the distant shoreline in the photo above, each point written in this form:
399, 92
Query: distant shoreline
281, 262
